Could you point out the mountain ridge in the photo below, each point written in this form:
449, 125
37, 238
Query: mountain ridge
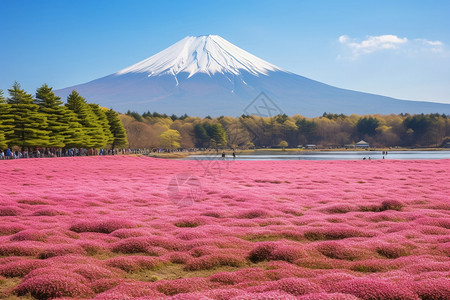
207, 75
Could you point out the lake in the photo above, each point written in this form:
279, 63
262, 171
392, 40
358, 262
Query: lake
326, 155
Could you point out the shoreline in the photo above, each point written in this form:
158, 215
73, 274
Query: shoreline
178, 155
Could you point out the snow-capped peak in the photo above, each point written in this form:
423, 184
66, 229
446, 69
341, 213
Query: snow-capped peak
203, 54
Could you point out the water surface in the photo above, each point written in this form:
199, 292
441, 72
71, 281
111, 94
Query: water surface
327, 155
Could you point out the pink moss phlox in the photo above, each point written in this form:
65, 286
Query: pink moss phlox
61, 250
21, 267
433, 289
104, 284
137, 245
94, 272
51, 286
339, 208
178, 257
191, 235
101, 226
193, 221
208, 262
134, 263
270, 295
29, 235
24, 248
391, 205
184, 285
124, 233
10, 228
392, 251
294, 286
131, 290
337, 250
325, 296
274, 251
335, 233
189, 296
9, 211
253, 213
371, 289
62, 272
93, 247
50, 212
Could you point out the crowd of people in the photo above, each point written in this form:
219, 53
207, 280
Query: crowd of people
70, 152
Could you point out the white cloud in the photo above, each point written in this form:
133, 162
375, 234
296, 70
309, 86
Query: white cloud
386, 42
433, 46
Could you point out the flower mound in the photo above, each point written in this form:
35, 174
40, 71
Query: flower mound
104, 226
53, 286
273, 251
372, 289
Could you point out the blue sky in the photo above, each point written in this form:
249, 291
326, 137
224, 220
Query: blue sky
394, 48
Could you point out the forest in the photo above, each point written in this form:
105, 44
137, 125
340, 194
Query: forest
327, 131
44, 121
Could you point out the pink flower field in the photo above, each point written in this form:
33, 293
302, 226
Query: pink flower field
133, 227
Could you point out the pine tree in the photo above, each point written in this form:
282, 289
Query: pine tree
74, 137
2, 97
5, 119
51, 106
29, 125
117, 130
3, 144
93, 132
103, 121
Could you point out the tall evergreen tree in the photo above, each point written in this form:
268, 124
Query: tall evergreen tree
117, 130
29, 125
92, 130
5, 121
51, 106
3, 144
74, 137
2, 97
103, 121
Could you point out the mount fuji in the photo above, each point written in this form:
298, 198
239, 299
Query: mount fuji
207, 75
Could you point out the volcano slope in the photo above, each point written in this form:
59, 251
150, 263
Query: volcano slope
134, 227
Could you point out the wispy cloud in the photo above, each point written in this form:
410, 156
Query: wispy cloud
355, 48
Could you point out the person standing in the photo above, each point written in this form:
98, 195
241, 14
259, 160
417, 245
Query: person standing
8, 153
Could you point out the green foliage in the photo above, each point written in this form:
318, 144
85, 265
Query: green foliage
135, 115
210, 135
170, 139
29, 125
51, 106
283, 144
202, 137
420, 124
103, 121
367, 126
117, 130
217, 133
6, 121
307, 129
75, 136
2, 97
46, 122
94, 136
327, 130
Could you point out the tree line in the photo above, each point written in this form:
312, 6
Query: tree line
44, 121
329, 130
